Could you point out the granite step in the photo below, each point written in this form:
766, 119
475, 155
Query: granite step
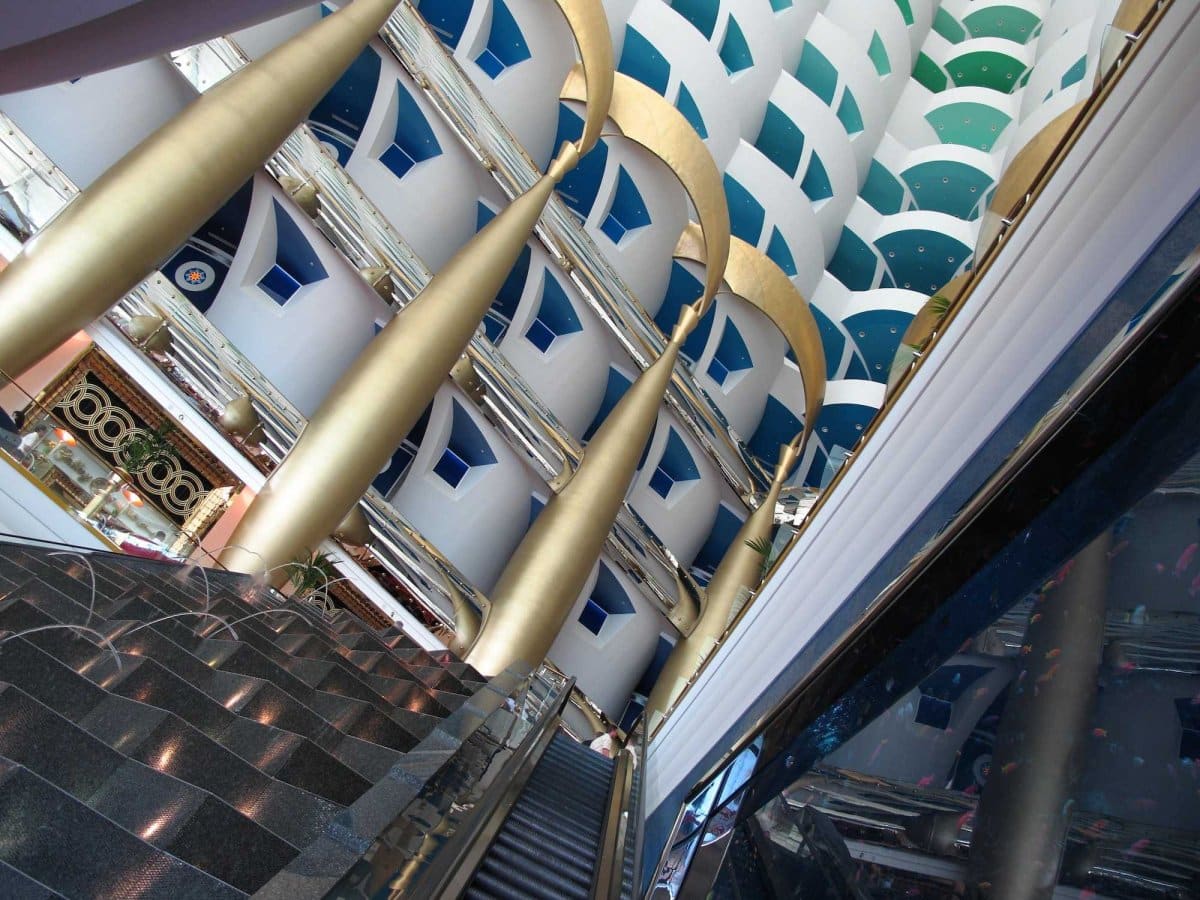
104, 859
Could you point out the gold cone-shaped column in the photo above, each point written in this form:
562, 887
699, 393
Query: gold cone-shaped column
150, 202
546, 574
379, 398
741, 568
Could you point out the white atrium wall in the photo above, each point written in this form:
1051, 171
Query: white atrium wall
865, 183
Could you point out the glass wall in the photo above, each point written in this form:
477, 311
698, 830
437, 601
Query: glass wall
1019, 715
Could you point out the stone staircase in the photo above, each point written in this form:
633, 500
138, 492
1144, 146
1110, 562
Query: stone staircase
216, 752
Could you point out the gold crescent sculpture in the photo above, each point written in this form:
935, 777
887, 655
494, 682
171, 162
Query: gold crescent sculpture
589, 25
754, 277
647, 119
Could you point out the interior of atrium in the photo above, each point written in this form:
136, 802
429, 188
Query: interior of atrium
646, 449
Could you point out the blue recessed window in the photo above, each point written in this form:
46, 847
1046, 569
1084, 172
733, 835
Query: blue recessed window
451, 467
731, 357
746, 214
1189, 720
684, 288
555, 318
778, 253
1075, 73
413, 140
467, 449
536, 505
448, 18
701, 13
593, 616
676, 465
391, 474
579, 187
817, 73
641, 61
628, 210
686, 104
720, 538
735, 51
338, 119
940, 691
614, 390
508, 298
849, 114
607, 599
780, 140
816, 184
296, 263
878, 54
506, 46
777, 427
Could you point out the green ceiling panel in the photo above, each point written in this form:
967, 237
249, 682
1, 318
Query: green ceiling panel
849, 114
906, 11
948, 27
701, 13
1075, 73
987, 69
854, 262
922, 260
882, 190
817, 73
816, 184
780, 140
969, 124
948, 186
879, 57
1008, 22
930, 74
735, 52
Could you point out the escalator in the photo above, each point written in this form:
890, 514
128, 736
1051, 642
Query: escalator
532, 815
546, 848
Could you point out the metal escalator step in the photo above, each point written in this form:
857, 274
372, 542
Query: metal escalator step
537, 861
519, 871
553, 857
584, 828
570, 841
502, 885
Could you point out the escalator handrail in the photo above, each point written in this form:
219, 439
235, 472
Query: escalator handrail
450, 872
606, 877
639, 812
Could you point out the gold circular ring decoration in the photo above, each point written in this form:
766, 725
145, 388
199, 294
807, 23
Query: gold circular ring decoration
754, 277
589, 25
647, 119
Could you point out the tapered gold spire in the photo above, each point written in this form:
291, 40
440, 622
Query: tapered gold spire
740, 569
376, 402
548, 571
150, 202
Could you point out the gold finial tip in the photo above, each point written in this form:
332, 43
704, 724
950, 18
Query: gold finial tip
788, 454
689, 317
568, 157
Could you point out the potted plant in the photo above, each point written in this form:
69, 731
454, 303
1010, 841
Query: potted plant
309, 574
144, 449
